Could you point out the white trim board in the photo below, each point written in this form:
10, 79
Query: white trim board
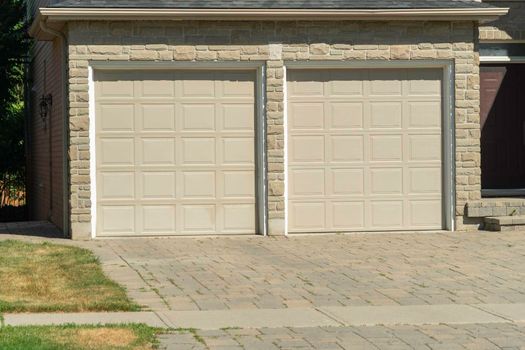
285, 130
92, 148
502, 59
62, 14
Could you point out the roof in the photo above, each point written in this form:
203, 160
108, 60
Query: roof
274, 4
56, 14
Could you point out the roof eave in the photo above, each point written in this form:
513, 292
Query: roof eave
62, 15
244, 14
35, 30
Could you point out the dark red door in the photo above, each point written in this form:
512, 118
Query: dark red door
503, 126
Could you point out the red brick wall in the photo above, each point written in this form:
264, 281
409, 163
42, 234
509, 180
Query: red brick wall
46, 138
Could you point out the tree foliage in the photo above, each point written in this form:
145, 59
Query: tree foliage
14, 45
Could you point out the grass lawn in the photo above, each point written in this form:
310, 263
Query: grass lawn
53, 278
133, 337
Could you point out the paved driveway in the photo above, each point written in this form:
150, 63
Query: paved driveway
318, 271
424, 337
306, 275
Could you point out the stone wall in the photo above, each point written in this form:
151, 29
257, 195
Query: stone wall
509, 27
274, 43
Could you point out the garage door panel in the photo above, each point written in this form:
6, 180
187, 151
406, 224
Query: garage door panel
425, 213
425, 147
237, 150
110, 85
307, 116
198, 150
386, 148
304, 83
175, 153
346, 148
157, 85
157, 151
307, 216
238, 217
387, 82
306, 148
238, 84
197, 84
307, 182
117, 185
199, 184
424, 114
238, 118
378, 140
346, 115
424, 82
347, 215
387, 214
159, 185
159, 219
117, 219
347, 182
238, 184
117, 117
116, 151
199, 218
386, 115
425, 180
158, 117
343, 83
386, 181
198, 117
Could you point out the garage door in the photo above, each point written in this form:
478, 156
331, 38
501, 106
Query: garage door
364, 150
175, 152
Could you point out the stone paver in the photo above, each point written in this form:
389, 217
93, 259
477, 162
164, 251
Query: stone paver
433, 337
323, 273
291, 317
253, 318
318, 271
412, 314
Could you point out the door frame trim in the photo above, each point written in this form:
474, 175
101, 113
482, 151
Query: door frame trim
511, 192
259, 67
448, 119
501, 59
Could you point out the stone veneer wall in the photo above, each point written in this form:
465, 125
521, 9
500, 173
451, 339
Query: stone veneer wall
274, 43
509, 27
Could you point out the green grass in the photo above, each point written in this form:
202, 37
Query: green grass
119, 337
54, 278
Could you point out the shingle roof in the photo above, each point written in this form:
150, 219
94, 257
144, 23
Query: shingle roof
274, 4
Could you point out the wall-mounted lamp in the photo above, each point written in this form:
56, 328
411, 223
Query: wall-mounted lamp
46, 101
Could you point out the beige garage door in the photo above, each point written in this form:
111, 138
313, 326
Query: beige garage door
364, 150
175, 152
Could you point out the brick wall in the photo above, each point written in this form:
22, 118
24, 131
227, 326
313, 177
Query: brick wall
274, 43
45, 187
509, 27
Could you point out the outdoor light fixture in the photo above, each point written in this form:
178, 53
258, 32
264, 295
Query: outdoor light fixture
46, 101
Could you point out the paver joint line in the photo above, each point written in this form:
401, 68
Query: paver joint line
329, 315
